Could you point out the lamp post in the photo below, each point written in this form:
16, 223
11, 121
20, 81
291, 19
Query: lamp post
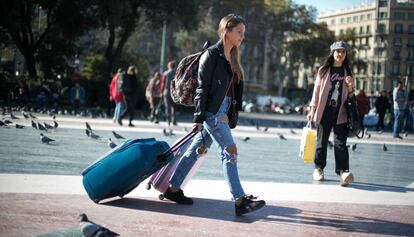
164, 33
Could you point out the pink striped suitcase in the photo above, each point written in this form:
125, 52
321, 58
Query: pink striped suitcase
160, 179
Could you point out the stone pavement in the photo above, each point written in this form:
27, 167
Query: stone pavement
41, 190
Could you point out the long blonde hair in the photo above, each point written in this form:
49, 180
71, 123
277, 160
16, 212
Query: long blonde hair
227, 23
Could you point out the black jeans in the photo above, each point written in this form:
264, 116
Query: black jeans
340, 136
169, 109
380, 124
130, 101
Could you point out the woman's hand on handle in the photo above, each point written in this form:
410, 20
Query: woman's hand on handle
197, 127
311, 114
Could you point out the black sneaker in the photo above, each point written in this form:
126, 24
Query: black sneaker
248, 205
178, 197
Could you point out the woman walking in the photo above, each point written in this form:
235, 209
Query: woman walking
334, 83
220, 82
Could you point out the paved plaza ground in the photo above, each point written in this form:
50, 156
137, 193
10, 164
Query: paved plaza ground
41, 193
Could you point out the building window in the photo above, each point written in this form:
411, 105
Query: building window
398, 28
410, 42
397, 42
342, 20
409, 70
355, 19
368, 29
361, 30
382, 3
333, 22
410, 16
348, 19
381, 28
397, 55
411, 29
395, 68
382, 15
341, 32
362, 18
399, 15
369, 16
410, 56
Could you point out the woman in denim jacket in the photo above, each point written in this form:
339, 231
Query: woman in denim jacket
334, 83
219, 70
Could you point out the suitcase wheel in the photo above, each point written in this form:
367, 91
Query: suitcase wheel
161, 196
148, 186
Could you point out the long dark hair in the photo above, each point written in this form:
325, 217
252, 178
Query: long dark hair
329, 61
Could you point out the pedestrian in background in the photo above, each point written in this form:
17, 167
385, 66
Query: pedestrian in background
381, 106
400, 102
363, 105
130, 90
77, 97
219, 72
153, 95
169, 105
115, 93
334, 84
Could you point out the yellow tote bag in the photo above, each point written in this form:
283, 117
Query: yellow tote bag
308, 144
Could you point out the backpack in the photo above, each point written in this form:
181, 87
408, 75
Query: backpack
183, 86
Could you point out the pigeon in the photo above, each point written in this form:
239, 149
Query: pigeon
2, 124
406, 134
164, 131
13, 116
19, 126
384, 148
34, 124
91, 229
281, 136
88, 132
292, 131
25, 115
117, 136
94, 135
246, 139
54, 117
353, 146
111, 144
265, 129
48, 126
55, 124
368, 135
88, 126
6, 121
257, 127
41, 127
32, 116
45, 139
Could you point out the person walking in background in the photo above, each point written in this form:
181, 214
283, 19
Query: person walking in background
169, 105
334, 84
129, 89
219, 71
153, 95
381, 106
400, 101
77, 97
363, 105
115, 93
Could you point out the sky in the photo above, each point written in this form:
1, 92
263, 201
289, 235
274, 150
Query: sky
327, 5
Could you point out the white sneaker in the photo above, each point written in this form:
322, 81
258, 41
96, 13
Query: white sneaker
318, 174
346, 178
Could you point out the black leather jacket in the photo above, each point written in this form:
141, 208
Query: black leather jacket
214, 77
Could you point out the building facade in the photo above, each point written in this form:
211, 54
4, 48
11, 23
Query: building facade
384, 31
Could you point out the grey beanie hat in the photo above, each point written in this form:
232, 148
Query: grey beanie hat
339, 45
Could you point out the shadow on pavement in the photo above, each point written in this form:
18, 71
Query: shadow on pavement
345, 223
380, 187
202, 208
224, 210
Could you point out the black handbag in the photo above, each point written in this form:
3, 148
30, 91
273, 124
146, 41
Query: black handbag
355, 127
233, 114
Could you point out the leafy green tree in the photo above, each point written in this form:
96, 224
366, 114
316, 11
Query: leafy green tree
29, 23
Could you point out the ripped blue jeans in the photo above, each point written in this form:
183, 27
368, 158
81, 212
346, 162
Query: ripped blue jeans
217, 130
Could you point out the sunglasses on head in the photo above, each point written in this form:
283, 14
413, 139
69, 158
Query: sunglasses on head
236, 17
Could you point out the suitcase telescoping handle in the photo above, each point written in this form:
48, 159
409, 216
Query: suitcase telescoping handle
163, 157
